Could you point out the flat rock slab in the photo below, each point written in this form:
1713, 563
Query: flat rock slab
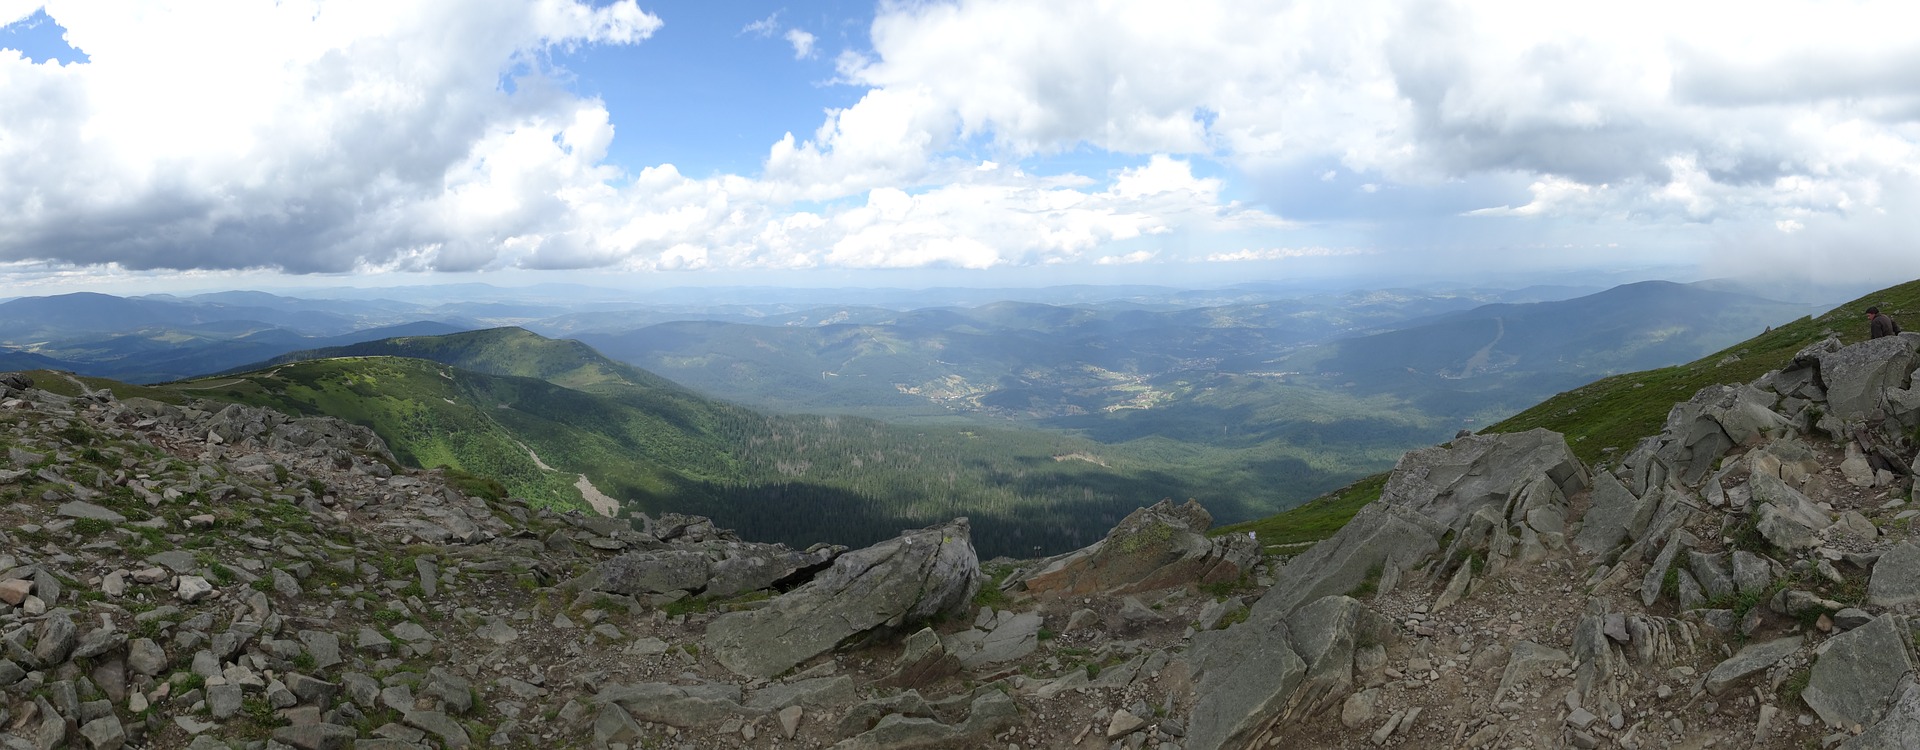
1896, 577
80, 509
682, 706
1014, 638
903, 580
1900, 730
1858, 672
1610, 513
1754, 658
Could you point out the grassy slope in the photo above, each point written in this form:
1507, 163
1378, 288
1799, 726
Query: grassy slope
799, 479
1614, 412
1617, 412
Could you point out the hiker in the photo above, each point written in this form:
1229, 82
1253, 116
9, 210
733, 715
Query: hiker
1880, 325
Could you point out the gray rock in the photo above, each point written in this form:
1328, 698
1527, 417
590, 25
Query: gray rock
1212, 614
316, 736
78, 509
614, 725
923, 661
10, 673
1528, 660
1153, 548
179, 561
750, 566
454, 691
1896, 577
96, 642
1787, 518
146, 657
1611, 510
683, 706
311, 691
324, 647
54, 642
990, 712
452, 735
1246, 674
223, 701
1856, 375
1711, 574
901, 581
1857, 673
361, 689
429, 576
1656, 575
1900, 730
1751, 573
1447, 483
193, 588
1754, 658
654, 572
285, 584
104, 733
1850, 617
1718, 417
816, 692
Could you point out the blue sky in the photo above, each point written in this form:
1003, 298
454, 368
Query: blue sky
156, 144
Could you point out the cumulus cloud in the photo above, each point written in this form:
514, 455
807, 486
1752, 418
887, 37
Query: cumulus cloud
305, 136
764, 27
802, 42
435, 135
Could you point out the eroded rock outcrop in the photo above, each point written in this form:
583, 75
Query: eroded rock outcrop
1152, 548
901, 581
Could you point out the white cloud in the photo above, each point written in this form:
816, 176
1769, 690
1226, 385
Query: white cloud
764, 27
326, 137
802, 42
1133, 258
305, 136
1279, 253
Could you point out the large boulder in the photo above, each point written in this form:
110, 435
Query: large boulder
1447, 483
1297, 665
1787, 518
1152, 548
1719, 417
1856, 375
1896, 577
1248, 674
1611, 513
908, 579
714, 568
1900, 730
1857, 673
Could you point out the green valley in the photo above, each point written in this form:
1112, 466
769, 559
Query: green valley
470, 401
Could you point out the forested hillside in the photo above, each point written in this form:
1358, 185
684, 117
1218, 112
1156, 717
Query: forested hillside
801, 479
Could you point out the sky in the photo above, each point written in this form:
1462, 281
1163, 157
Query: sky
157, 144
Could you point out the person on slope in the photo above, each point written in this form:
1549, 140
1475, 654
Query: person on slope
1880, 325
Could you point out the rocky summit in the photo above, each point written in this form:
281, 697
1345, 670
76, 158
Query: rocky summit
223, 576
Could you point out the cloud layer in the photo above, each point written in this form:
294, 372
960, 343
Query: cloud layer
433, 135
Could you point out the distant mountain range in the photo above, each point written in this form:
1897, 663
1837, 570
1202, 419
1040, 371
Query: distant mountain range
1043, 420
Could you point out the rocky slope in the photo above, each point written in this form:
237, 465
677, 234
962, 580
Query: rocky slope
228, 577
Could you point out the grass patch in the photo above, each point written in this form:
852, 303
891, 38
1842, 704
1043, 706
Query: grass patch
1316, 520
1370, 584
990, 594
1618, 411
